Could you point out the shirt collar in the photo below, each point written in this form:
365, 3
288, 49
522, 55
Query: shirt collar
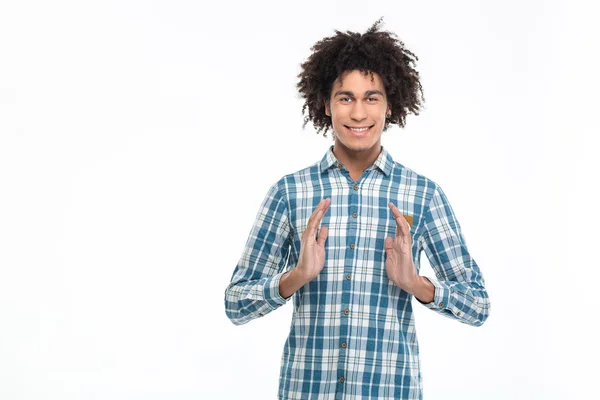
384, 161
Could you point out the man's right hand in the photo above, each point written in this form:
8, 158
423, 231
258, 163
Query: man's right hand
312, 252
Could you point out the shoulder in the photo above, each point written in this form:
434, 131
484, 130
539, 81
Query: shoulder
302, 177
414, 181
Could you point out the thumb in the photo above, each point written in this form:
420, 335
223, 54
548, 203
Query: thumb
388, 244
322, 236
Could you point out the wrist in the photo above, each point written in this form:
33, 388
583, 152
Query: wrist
423, 289
291, 281
300, 277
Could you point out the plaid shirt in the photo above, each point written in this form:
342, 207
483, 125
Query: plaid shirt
353, 334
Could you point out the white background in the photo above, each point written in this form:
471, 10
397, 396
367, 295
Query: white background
137, 140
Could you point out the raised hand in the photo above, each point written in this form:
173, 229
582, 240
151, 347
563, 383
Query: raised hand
312, 252
399, 263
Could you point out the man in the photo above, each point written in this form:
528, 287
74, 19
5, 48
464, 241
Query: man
350, 229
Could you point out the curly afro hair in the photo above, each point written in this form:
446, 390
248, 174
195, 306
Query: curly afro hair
374, 51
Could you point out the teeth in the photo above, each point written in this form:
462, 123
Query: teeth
358, 129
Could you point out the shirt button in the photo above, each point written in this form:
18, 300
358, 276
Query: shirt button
346, 311
339, 165
342, 379
354, 215
442, 304
355, 187
260, 314
344, 345
458, 313
348, 277
352, 246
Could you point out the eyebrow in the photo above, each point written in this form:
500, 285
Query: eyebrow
367, 93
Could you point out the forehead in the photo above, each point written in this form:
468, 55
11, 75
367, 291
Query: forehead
359, 80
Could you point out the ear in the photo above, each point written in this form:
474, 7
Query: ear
327, 110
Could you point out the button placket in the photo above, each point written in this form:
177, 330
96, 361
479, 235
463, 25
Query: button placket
345, 329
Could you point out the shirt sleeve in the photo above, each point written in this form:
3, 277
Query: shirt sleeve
254, 288
459, 288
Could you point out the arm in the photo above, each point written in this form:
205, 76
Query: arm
254, 287
459, 291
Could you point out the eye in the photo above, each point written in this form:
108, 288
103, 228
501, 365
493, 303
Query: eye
344, 98
372, 99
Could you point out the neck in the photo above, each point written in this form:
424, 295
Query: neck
356, 160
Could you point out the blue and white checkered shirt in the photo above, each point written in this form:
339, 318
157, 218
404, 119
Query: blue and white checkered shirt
353, 333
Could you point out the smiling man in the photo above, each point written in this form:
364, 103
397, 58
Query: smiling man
358, 109
343, 237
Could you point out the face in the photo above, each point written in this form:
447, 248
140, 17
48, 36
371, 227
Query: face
357, 107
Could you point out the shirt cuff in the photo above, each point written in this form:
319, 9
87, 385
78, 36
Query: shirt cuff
271, 293
441, 297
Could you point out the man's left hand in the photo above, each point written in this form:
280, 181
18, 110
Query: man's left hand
399, 263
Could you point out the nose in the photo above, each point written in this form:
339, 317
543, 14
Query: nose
358, 112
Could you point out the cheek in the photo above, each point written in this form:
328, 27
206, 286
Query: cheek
337, 124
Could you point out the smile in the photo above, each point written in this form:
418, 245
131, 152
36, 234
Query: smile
359, 130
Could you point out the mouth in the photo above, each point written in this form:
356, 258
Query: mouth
359, 130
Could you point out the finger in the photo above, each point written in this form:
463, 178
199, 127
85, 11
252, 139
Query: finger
314, 213
320, 213
396, 214
388, 242
402, 226
316, 217
312, 217
322, 235
321, 210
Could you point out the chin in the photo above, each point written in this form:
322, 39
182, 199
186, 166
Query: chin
353, 143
